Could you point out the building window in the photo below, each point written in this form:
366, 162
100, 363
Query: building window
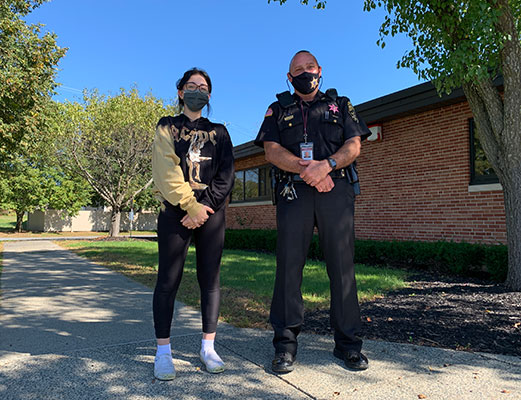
252, 185
481, 172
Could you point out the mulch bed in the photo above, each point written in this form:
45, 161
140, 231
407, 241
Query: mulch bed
454, 313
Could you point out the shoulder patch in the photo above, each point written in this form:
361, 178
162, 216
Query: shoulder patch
352, 111
269, 113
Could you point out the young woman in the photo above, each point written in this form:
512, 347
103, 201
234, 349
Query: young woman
192, 165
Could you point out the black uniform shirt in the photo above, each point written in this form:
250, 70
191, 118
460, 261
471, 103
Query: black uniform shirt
330, 122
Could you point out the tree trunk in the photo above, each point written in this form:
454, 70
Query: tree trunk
512, 194
19, 221
500, 137
115, 220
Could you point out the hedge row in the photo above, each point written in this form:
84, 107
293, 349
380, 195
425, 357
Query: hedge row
447, 257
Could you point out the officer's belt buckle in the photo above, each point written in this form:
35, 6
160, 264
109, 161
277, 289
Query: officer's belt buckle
339, 173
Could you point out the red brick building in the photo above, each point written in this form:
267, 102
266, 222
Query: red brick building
425, 178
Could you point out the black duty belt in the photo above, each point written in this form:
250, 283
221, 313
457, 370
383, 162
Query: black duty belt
338, 173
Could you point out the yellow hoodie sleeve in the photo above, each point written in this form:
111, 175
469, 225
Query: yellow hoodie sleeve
168, 175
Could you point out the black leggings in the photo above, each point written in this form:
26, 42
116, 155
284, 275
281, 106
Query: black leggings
173, 241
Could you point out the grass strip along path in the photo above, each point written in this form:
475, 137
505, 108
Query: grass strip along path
247, 278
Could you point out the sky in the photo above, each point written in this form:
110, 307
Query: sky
244, 45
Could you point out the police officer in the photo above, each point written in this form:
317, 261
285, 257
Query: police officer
313, 138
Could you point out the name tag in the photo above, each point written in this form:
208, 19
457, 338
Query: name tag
306, 151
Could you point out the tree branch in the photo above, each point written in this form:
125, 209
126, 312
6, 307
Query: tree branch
493, 103
481, 118
137, 192
90, 179
511, 66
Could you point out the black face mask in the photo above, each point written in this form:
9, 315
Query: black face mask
195, 100
305, 83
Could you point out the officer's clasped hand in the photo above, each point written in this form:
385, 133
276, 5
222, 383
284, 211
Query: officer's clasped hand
314, 171
325, 185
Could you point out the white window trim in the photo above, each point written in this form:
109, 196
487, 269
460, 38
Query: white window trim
490, 187
250, 203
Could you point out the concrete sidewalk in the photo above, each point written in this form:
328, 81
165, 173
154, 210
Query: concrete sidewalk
71, 329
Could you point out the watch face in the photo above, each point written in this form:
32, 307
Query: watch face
332, 163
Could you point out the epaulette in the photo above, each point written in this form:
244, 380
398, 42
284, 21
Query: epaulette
285, 99
332, 94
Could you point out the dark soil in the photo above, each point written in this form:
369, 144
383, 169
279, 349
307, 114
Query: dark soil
454, 313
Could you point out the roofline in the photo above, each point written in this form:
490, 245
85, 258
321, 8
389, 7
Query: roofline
418, 98
246, 149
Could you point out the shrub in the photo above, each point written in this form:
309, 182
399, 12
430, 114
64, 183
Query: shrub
251, 239
496, 260
446, 257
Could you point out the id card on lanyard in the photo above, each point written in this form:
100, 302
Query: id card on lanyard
306, 148
306, 151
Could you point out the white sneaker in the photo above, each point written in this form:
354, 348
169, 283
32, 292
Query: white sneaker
164, 367
212, 361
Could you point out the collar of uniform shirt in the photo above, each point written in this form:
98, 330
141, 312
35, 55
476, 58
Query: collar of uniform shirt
317, 97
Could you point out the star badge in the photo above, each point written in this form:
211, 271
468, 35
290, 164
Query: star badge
314, 83
333, 107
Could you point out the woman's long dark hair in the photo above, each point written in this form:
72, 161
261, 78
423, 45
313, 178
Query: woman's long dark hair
187, 75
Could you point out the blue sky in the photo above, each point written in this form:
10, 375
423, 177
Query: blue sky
245, 45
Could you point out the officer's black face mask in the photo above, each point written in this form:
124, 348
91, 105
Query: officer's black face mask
195, 100
305, 83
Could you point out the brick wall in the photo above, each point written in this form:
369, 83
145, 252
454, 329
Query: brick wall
251, 216
414, 185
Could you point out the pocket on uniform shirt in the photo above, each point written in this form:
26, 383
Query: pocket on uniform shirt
335, 126
291, 129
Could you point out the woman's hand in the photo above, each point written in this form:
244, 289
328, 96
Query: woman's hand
199, 219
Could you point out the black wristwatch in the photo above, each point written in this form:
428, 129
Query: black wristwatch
332, 163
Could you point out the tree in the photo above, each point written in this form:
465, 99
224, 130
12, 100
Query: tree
28, 63
28, 184
35, 179
468, 44
108, 141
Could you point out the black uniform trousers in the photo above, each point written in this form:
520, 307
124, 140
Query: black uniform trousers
173, 242
333, 214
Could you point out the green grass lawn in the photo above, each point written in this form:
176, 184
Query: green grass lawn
8, 222
246, 278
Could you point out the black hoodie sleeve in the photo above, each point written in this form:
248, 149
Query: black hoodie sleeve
214, 196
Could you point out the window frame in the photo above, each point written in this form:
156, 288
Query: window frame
477, 179
266, 196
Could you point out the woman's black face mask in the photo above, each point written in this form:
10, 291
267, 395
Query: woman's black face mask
306, 82
195, 100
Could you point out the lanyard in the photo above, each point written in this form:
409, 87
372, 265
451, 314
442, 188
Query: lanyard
305, 120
